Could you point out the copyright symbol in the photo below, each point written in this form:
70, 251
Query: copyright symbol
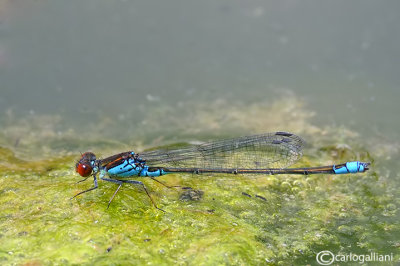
325, 257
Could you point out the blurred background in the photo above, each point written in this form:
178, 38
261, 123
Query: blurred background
134, 65
111, 76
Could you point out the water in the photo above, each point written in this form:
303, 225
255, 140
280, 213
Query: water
113, 76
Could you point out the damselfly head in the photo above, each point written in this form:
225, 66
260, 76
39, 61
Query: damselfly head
84, 166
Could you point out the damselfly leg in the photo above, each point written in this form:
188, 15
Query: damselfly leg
120, 182
90, 189
83, 180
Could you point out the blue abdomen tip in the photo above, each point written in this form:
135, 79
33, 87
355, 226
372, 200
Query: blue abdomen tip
355, 167
351, 167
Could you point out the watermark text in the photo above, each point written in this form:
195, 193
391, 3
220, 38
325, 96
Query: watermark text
326, 257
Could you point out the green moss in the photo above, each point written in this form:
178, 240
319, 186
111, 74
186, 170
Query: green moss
287, 219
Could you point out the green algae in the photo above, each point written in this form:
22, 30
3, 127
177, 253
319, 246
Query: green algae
282, 220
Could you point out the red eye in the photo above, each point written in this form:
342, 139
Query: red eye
84, 169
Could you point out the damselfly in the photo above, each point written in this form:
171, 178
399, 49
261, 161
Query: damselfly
268, 153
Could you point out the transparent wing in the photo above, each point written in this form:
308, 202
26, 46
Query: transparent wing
269, 150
